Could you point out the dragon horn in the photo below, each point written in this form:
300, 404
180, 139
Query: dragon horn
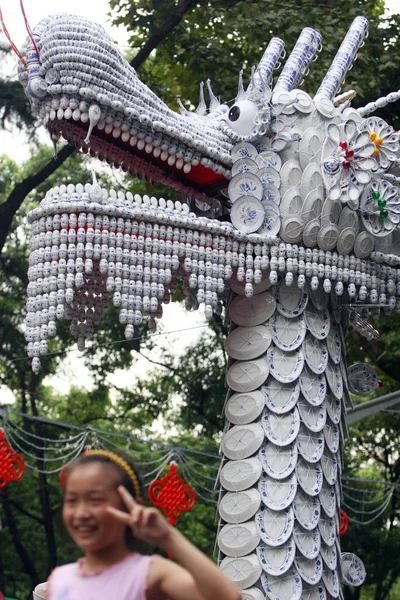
307, 46
202, 107
214, 102
269, 61
344, 59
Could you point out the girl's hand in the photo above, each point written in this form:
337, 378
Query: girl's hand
146, 523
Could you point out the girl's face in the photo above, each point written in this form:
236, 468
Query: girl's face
89, 489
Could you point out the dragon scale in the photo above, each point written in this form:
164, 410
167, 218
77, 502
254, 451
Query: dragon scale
287, 217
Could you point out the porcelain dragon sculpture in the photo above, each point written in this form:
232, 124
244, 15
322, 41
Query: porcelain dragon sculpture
287, 216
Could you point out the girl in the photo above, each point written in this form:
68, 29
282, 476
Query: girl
102, 506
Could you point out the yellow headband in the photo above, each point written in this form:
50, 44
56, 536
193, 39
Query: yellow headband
121, 463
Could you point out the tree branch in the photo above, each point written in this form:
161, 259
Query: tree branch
161, 33
22, 189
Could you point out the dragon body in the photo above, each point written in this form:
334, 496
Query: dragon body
287, 216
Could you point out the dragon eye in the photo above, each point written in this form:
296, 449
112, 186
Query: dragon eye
242, 116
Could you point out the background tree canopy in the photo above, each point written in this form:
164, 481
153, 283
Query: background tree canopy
175, 44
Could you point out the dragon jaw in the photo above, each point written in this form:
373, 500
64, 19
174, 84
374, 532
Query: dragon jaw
86, 92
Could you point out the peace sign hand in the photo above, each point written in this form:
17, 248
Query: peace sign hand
146, 523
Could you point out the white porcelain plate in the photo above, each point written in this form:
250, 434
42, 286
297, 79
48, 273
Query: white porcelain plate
353, 570
310, 570
362, 379
327, 497
247, 343
238, 539
318, 322
256, 310
247, 375
243, 571
238, 475
244, 407
244, 150
331, 581
238, 507
272, 221
245, 184
244, 165
241, 441
287, 334
335, 379
269, 176
315, 354
329, 555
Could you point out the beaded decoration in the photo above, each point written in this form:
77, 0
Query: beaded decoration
120, 462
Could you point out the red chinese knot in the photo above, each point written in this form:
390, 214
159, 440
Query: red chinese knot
12, 465
171, 494
344, 523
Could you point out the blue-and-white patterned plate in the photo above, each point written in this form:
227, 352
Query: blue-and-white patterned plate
310, 570
318, 322
247, 213
329, 466
329, 555
274, 527
315, 354
269, 176
308, 542
281, 429
313, 386
278, 462
245, 184
287, 334
271, 194
327, 497
244, 150
310, 444
277, 494
284, 587
272, 221
267, 158
335, 379
291, 301
313, 417
280, 397
244, 165
309, 476
277, 561
332, 436
285, 366
307, 509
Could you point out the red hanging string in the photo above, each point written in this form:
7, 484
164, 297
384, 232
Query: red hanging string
13, 46
29, 30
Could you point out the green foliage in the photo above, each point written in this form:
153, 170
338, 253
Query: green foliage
216, 39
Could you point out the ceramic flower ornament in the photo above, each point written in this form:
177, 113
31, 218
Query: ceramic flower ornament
380, 207
386, 142
348, 168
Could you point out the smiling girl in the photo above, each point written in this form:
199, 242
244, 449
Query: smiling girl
102, 508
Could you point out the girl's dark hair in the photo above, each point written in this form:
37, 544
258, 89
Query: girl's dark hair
124, 479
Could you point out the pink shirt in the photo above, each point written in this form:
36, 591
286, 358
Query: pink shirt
126, 580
